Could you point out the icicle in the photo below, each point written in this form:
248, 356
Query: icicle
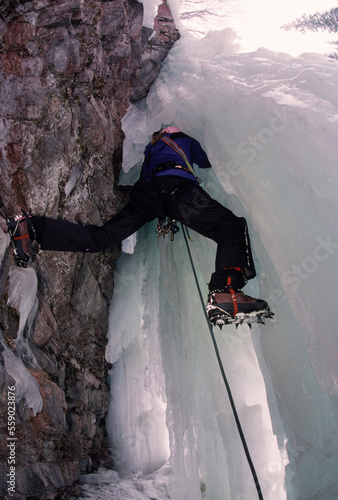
22, 297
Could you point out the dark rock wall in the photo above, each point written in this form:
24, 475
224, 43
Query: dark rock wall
68, 70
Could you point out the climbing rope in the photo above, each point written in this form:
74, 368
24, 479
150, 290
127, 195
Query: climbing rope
225, 380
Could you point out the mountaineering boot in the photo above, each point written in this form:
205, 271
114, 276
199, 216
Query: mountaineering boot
232, 307
22, 233
227, 304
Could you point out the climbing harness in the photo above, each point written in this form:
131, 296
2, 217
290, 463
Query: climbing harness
225, 380
175, 147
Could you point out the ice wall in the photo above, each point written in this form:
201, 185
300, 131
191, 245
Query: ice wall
138, 429
166, 320
269, 125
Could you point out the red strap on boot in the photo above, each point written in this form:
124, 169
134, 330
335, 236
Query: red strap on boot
21, 237
234, 301
233, 296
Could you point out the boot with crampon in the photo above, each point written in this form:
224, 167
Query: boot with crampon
227, 304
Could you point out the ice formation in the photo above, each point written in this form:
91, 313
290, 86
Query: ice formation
269, 124
22, 291
22, 297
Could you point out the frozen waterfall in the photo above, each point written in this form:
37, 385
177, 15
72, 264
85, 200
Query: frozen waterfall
269, 123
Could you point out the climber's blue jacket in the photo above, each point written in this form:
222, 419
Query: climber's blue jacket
160, 159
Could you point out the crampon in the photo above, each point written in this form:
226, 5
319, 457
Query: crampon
17, 235
238, 310
220, 318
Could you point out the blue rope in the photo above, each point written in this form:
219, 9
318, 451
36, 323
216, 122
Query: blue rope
225, 380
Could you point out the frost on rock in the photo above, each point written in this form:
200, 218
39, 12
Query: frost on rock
4, 244
107, 484
25, 384
102, 476
74, 177
22, 297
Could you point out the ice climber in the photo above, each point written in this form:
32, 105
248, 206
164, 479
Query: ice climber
167, 188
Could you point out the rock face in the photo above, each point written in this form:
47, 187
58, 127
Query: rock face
68, 71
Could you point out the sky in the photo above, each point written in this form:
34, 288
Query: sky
262, 19
258, 22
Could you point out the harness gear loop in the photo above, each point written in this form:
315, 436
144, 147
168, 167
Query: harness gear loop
165, 226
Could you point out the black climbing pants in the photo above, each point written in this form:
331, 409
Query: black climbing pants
172, 196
